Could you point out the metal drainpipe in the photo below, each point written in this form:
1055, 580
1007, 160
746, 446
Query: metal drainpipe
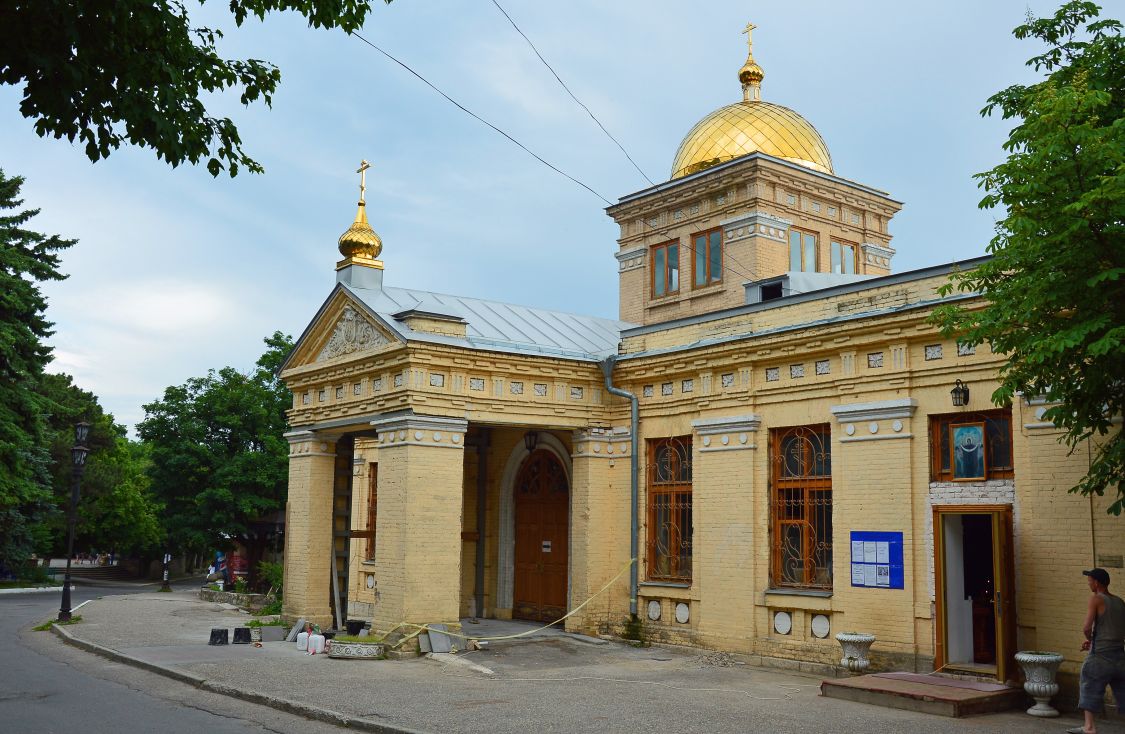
482, 511
634, 421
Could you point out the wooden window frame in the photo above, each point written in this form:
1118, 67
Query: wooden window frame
368, 532
707, 281
941, 448
670, 496
816, 249
813, 505
668, 291
841, 244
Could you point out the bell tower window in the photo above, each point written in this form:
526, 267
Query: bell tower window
665, 269
802, 251
843, 258
708, 249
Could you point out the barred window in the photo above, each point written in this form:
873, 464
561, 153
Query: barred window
669, 509
801, 507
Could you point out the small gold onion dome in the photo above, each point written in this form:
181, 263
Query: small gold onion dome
751, 72
360, 240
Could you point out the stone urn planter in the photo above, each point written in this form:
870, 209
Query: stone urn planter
856, 646
1039, 669
355, 650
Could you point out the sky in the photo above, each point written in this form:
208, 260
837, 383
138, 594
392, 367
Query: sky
176, 272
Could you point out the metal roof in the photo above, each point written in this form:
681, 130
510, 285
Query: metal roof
496, 326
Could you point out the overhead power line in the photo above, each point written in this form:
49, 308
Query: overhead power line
572, 95
536, 156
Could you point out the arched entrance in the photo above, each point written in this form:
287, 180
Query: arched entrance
542, 514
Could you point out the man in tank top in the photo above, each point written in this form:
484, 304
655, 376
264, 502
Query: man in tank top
1105, 639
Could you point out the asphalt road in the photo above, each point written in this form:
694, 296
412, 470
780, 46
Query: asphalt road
47, 686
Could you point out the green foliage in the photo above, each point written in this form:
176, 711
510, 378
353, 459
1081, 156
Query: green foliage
138, 73
219, 459
240, 586
1054, 291
116, 510
274, 607
266, 622
274, 575
27, 258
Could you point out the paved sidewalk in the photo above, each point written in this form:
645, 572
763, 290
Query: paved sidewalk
561, 683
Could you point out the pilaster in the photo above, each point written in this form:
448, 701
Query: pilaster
308, 528
599, 526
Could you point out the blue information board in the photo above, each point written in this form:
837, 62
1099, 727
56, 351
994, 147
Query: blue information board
876, 560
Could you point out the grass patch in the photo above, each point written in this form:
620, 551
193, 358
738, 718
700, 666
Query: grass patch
51, 622
28, 584
373, 639
266, 623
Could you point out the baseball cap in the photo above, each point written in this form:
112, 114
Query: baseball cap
1098, 574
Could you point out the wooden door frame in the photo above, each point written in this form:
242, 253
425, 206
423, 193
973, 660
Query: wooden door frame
1002, 568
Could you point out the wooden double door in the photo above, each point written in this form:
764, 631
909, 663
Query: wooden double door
542, 515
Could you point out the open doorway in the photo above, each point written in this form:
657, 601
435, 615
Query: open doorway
973, 590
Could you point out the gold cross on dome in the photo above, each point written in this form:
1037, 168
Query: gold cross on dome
749, 39
362, 171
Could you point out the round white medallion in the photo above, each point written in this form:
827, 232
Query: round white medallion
456, 438
654, 610
417, 435
402, 435
849, 429
324, 447
437, 435
725, 440
371, 581
609, 448
742, 438
873, 427
683, 613
782, 623
820, 626
624, 449
706, 440
896, 426
597, 448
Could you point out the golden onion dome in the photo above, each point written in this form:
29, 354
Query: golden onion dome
751, 126
360, 240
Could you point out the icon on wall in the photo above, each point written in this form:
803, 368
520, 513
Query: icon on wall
968, 451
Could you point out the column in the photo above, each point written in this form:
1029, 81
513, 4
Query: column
308, 528
418, 536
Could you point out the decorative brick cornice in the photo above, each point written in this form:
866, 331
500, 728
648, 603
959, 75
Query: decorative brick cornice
421, 430
756, 224
601, 443
727, 433
307, 443
875, 411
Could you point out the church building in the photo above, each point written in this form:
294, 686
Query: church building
772, 429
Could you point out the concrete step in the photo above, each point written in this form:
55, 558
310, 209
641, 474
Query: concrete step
926, 694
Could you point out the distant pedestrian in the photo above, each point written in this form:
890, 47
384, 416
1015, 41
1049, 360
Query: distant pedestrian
1105, 639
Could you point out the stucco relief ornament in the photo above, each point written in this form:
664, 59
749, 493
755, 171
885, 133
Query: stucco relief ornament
353, 334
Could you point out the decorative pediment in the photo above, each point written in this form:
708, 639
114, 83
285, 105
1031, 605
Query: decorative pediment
353, 333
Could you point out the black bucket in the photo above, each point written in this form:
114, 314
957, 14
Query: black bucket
354, 626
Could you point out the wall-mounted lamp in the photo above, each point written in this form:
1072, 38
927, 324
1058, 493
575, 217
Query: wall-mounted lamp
960, 394
530, 440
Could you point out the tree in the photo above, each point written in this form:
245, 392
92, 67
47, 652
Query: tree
137, 72
116, 508
27, 258
1054, 289
219, 454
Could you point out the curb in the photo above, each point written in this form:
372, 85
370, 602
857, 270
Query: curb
300, 709
32, 590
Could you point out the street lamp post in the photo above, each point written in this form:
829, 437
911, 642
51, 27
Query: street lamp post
78, 459
167, 560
